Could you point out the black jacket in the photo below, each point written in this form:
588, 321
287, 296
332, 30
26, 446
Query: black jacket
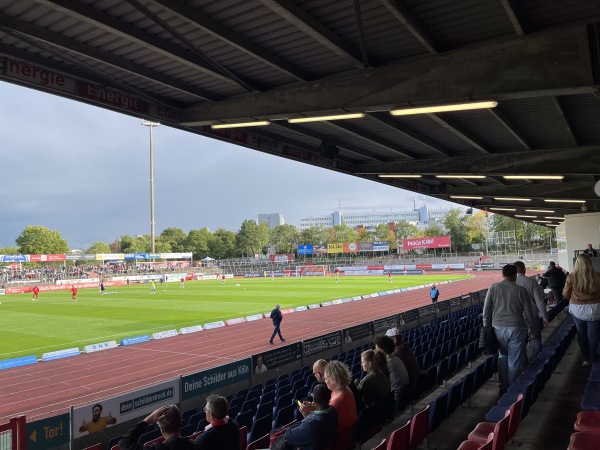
556, 278
130, 439
224, 437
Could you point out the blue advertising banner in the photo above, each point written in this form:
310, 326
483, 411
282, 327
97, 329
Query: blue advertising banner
381, 246
14, 258
17, 362
213, 379
305, 249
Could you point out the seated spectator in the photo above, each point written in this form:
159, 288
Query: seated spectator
222, 433
591, 252
168, 419
319, 428
337, 378
319, 373
406, 355
398, 373
375, 385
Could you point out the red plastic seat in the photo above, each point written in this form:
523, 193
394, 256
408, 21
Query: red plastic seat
153, 441
483, 429
95, 447
243, 437
588, 421
380, 446
419, 428
399, 438
584, 441
472, 445
262, 442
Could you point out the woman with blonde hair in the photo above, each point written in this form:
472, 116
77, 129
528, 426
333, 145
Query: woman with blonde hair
337, 378
583, 291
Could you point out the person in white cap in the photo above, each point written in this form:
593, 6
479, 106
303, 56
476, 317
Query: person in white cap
406, 355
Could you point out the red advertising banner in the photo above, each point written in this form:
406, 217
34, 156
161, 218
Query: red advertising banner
282, 258
351, 247
47, 258
433, 242
374, 267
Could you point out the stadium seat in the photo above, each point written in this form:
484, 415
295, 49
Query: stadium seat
588, 421
267, 397
454, 396
483, 429
472, 445
185, 416
284, 416
419, 428
381, 446
282, 401
244, 419
262, 442
584, 441
283, 390
202, 425
467, 389
194, 419
263, 410
187, 430
399, 438
260, 427
438, 411
150, 444
243, 437
95, 447
367, 425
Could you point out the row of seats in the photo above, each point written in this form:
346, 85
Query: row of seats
587, 424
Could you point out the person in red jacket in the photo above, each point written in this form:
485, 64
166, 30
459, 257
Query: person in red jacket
73, 294
36, 291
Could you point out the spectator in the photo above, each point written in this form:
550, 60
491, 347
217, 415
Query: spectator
591, 252
168, 419
406, 355
398, 373
222, 433
556, 281
319, 373
507, 307
375, 385
583, 291
536, 295
319, 428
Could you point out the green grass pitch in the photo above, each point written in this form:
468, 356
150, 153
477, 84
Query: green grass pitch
55, 322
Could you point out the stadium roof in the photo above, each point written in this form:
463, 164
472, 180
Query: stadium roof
193, 64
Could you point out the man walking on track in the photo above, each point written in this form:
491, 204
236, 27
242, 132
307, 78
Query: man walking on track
277, 317
434, 293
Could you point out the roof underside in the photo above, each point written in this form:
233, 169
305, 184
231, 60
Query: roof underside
191, 64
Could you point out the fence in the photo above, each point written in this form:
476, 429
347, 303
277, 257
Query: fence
12, 434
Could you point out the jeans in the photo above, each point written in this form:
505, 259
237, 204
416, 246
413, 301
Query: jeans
276, 331
557, 292
588, 336
512, 354
536, 342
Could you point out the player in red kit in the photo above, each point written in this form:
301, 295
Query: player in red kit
181, 283
222, 279
36, 291
73, 294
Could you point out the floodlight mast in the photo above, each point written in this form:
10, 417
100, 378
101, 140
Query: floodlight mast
151, 125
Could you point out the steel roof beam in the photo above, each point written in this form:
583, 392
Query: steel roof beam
307, 24
565, 121
22, 29
540, 64
116, 27
502, 120
227, 35
561, 161
458, 132
404, 16
512, 16
577, 191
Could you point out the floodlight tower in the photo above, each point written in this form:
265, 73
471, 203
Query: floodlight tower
151, 125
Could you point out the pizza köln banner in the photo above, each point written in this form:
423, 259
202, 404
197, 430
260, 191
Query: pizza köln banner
433, 242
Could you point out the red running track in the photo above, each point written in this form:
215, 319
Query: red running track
49, 388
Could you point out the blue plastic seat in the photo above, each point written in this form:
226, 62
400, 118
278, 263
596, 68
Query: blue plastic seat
454, 396
260, 427
438, 411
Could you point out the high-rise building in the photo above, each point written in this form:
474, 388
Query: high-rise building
273, 219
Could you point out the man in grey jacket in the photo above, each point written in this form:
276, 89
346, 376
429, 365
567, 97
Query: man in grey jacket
536, 295
509, 310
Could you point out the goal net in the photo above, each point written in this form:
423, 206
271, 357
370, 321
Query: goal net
312, 271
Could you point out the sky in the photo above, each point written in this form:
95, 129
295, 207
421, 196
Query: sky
84, 171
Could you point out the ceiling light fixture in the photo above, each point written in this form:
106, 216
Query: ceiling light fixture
557, 218
562, 200
444, 108
512, 199
533, 177
540, 210
543, 221
326, 118
525, 217
460, 176
219, 126
400, 176
466, 197
502, 209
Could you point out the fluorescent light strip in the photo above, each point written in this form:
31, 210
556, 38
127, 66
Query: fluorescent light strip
218, 126
444, 108
460, 176
525, 217
400, 176
512, 199
325, 118
551, 225
540, 210
502, 209
556, 218
467, 197
533, 177
554, 200
543, 221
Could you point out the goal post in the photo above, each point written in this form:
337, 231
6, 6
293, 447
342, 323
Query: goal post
313, 270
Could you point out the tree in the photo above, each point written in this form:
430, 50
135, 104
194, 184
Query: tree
314, 235
405, 230
99, 247
222, 245
135, 244
382, 232
434, 231
197, 242
341, 233
364, 235
41, 240
477, 227
252, 239
9, 250
175, 237
285, 238
115, 246
455, 224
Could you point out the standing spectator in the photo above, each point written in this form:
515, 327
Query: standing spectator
406, 355
509, 310
591, 252
223, 433
556, 280
398, 373
276, 317
319, 428
36, 291
375, 385
434, 293
168, 419
583, 291
536, 295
